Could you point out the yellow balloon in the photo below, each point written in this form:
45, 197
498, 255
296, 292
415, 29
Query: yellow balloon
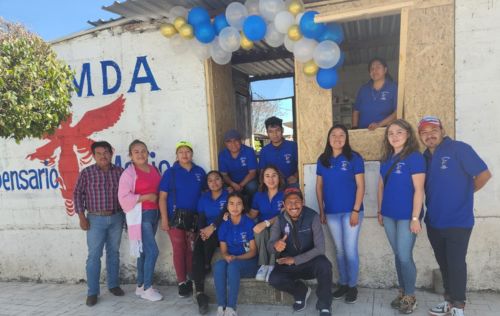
168, 30
295, 7
245, 43
186, 31
310, 68
179, 22
294, 33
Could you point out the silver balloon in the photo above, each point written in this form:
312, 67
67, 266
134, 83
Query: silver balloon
200, 50
269, 8
229, 39
298, 17
178, 44
283, 21
219, 55
326, 54
303, 49
252, 7
178, 11
274, 38
236, 14
289, 44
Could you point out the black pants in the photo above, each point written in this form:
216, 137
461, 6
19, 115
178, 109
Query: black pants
450, 248
202, 257
286, 278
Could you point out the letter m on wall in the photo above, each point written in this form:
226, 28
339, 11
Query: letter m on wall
84, 76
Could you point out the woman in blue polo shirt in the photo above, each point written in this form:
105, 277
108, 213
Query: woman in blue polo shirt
210, 209
400, 200
376, 102
180, 189
340, 187
266, 205
237, 246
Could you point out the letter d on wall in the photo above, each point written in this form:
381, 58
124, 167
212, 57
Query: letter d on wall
104, 67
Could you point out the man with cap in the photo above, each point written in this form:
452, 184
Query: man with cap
298, 241
238, 165
280, 152
454, 173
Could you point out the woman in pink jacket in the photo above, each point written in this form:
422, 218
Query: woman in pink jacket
138, 196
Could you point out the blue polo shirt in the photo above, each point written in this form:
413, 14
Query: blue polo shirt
238, 168
210, 207
188, 186
267, 208
397, 201
284, 157
237, 237
339, 183
449, 185
373, 105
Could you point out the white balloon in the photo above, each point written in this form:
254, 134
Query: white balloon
219, 55
283, 20
269, 8
236, 14
178, 44
178, 11
200, 50
289, 44
273, 38
252, 7
326, 54
298, 17
303, 49
229, 39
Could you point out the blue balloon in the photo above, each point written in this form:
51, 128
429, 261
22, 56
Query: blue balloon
204, 32
327, 78
333, 33
254, 28
220, 22
198, 15
309, 28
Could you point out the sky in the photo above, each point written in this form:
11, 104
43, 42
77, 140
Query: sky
53, 19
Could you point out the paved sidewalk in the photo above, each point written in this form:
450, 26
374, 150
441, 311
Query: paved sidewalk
18, 298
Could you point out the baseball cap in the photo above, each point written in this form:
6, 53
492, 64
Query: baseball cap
429, 121
183, 143
232, 134
291, 191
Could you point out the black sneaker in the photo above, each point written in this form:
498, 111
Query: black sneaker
91, 300
117, 291
352, 295
301, 304
202, 300
325, 312
340, 292
186, 288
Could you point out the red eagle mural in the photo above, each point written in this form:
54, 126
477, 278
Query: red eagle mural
74, 142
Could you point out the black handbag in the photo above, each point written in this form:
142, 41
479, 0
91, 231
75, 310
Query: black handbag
183, 218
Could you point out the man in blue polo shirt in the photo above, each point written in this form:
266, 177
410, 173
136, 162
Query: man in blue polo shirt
280, 152
454, 173
238, 165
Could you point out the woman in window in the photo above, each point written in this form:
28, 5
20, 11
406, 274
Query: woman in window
238, 249
340, 187
211, 206
266, 205
376, 102
400, 199
138, 196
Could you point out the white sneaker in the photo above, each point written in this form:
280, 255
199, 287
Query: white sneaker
230, 312
441, 309
262, 273
269, 270
220, 311
455, 311
152, 295
139, 290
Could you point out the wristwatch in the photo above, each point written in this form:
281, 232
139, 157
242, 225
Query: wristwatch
268, 223
215, 227
414, 218
355, 210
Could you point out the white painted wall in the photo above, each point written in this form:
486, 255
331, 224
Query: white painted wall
38, 240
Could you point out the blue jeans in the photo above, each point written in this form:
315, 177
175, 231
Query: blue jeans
104, 231
346, 245
227, 279
147, 261
402, 241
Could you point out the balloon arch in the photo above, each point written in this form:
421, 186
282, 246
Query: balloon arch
276, 22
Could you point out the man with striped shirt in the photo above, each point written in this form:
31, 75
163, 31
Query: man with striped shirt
96, 192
